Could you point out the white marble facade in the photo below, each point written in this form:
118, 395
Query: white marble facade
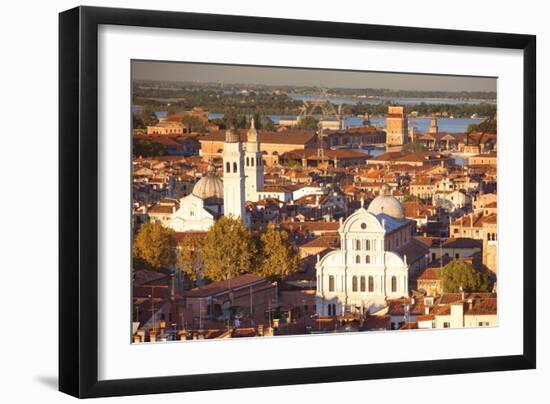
192, 215
365, 271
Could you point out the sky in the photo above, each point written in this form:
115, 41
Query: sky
199, 72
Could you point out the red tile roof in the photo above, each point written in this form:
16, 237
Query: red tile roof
297, 137
225, 285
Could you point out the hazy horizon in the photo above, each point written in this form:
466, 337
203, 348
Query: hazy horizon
290, 76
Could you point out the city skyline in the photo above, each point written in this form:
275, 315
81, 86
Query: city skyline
290, 76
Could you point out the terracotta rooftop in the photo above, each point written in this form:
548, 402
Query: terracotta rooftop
429, 274
310, 226
297, 137
225, 285
474, 220
328, 240
310, 153
485, 306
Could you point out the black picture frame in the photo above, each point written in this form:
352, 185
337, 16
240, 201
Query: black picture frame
78, 200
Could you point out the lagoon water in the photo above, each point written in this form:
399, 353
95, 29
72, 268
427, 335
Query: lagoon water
337, 100
456, 125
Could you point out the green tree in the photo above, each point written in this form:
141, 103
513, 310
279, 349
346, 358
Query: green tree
488, 125
414, 147
232, 119
137, 122
410, 198
229, 250
307, 122
172, 109
459, 274
278, 257
263, 122
154, 247
147, 148
189, 257
147, 116
193, 124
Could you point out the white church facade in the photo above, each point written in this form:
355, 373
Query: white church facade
367, 270
198, 210
243, 178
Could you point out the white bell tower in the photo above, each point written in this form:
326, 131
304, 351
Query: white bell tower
233, 177
253, 165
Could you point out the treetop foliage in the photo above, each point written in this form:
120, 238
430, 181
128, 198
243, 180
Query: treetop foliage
459, 274
154, 247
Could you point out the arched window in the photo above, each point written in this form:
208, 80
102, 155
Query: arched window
252, 161
357, 244
331, 283
227, 167
354, 284
247, 161
367, 259
234, 167
371, 284
357, 259
394, 284
368, 244
363, 288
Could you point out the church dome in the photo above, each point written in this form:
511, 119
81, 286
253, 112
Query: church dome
231, 136
209, 186
387, 204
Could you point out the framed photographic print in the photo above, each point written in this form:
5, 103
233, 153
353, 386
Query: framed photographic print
250, 201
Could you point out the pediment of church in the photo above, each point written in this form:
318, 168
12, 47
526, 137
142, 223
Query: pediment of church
361, 222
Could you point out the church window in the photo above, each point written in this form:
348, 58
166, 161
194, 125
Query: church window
247, 161
354, 284
368, 244
331, 283
357, 259
367, 259
363, 226
362, 284
394, 284
252, 161
227, 167
357, 244
371, 284
234, 167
